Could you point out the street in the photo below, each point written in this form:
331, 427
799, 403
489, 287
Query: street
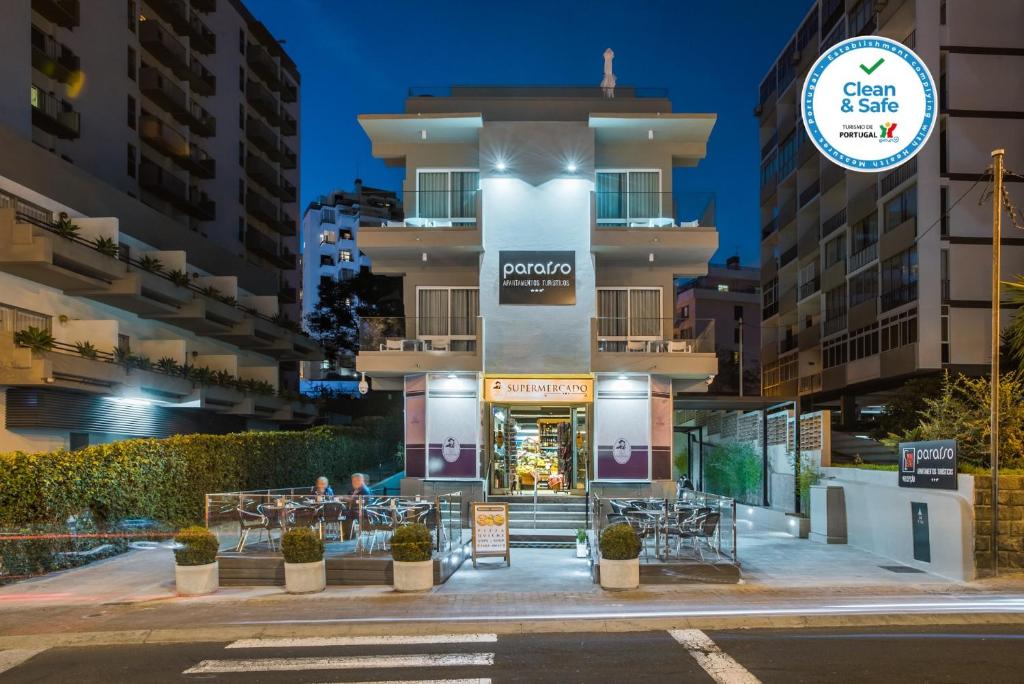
925, 654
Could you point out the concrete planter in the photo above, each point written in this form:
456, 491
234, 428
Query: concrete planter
305, 578
620, 574
798, 526
828, 514
581, 550
196, 580
414, 576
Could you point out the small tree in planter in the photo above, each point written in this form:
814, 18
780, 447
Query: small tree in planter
196, 570
581, 543
412, 551
304, 568
620, 557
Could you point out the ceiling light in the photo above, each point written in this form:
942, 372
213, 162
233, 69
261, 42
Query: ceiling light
501, 166
451, 376
571, 167
623, 377
424, 257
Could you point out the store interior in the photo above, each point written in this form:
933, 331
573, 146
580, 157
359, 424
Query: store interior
546, 448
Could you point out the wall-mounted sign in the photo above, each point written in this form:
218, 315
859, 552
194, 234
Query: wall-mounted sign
490, 531
869, 103
547, 278
539, 390
929, 465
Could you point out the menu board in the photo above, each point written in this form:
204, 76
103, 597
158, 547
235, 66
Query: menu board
490, 531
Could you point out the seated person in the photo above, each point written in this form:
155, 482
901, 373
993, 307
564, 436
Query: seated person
359, 487
321, 488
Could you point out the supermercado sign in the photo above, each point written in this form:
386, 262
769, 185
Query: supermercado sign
869, 103
551, 390
929, 465
546, 278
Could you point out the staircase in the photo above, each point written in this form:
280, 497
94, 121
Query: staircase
554, 526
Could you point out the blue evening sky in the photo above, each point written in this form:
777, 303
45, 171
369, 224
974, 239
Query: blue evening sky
360, 57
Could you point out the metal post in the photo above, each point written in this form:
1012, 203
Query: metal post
997, 200
797, 466
764, 458
437, 521
741, 355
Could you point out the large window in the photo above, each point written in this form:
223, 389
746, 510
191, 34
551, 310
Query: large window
864, 233
899, 279
901, 329
864, 342
864, 286
628, 313
835, 251
900, 208
448, 314
447, 194
629, 195
835, 309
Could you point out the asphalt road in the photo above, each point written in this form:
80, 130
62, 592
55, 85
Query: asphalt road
954, 654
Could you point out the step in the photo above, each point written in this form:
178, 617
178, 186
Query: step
544, 512
550, 524
544, 534
541, 498
568, 508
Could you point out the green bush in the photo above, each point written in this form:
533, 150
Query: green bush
411, 543
619, 542
302, 545
166, 479
200, 546
733, 469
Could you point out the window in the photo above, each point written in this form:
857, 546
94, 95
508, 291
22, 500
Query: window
327, 237
131, 167
241, 41
241, 79
944, 211
346, 235
124, 343
833, 352
628, 313
864, 342
736, 335
241, 153
723, 287
629, 195
901, 208
899, 279
945, 333
808, 31
901, 329
241, 116
769, 168
864, 286
241, 229
345, 255
449, 195
944, 273
684, 313
737, 312
835, 251
131, 112
448, 314
770, 299
132, 63
241, 191
861, 17
864, 233
133, 12
835, 309
326, 260
326, 280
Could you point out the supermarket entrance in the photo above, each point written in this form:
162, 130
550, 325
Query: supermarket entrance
547, 447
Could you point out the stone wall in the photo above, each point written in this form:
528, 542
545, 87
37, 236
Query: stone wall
1011, 523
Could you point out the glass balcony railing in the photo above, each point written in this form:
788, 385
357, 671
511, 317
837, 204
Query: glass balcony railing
655, 335
419, 334
655, 210
432, 209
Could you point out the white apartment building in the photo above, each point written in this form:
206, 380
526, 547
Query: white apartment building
870, 279
539, 246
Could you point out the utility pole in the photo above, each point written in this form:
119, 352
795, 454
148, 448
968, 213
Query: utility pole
997, 210
741, 354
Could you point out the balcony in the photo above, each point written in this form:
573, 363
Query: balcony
164, 93
205, 6
159, 42
199, 162
162, 137
264, 65
809, 288
200, 205
897, 177
809, 193
162, 183
201, 38
287, 294
201, 79
285, 225
267, 248
289, 125
863, 257
834, 324
629, 226
203, 316
200, 121
174, 12
263, 172
260, 207
648, 345
831, 174
397, 345
287, 158
263, 101
445, 225
140, 291
810, 383
53, 115
787, 256
52, 58
288, 192
60, 367
289, 91
899, 296
833, 222
262, 136
65, 13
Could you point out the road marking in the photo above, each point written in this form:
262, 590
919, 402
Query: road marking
425, 681
366, 641
722, 668
368, 662
14, 657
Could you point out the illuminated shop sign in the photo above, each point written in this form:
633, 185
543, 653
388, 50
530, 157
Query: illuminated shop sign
930, 465
546, 278
548, 390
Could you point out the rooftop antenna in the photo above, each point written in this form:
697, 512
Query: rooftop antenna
608, 82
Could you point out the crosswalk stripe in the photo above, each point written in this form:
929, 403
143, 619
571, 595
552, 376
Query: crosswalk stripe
390, 640
366, 662
14, 657
719, 665
424, 681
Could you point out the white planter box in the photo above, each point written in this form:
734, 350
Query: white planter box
620, 574
196, 580
305, 578
828, 514
581, 550
414, 576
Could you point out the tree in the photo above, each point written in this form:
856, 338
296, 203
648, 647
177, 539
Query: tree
903, 410
1013, 336
335, 321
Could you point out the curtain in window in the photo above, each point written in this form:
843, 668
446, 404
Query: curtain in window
611, 196
432, 309
613, 313
432, 197
644, 195
465, 309
645, 313
463, 193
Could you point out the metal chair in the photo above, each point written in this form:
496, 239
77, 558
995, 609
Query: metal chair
636, 346
376, 520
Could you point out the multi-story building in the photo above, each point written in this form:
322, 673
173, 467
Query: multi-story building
730, 295
157, 116
539, 249
871, 278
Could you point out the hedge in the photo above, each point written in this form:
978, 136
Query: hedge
166, 479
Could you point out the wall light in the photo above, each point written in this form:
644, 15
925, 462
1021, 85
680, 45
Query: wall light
650, 134
423, 134
623, 377
363, 386
570, 167
650, 257
424, 257
501, 167
451, 376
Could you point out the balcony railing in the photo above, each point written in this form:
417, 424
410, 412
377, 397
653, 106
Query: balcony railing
833, 222
287, 157
53, 115
53, 58
655, 335
266, 247
289, 91
264, 65
162, 137
162, 183
787, 256
898, 296
263, 101
835, 324
201, 79
66, 13
810, 383
655, 210
261, 207
863, 257
263, 172
201, 37
810, 192
200, 205
810, 287
432, 209
164, 46
164, 92
897, 177
770, 227
289, 125
200, 121
428, 334
174, 12
261, 135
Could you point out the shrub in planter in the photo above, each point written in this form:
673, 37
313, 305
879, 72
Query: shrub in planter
581, 543
412, 551
196, 569
620, 557
304, 569
36, 339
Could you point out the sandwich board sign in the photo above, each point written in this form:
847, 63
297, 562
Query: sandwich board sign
490, 531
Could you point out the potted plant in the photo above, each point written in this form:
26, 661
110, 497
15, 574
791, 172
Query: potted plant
36, 339
65, 227
304, 568
151, 264
581, 543
106, 246
196, 570
86, 350
411, 549
620, 557
179, 278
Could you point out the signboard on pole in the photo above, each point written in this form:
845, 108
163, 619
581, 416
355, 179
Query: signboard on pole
928, 465
490, 531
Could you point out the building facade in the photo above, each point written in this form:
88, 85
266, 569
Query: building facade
539, 249
730, 295
869, 279
167, 133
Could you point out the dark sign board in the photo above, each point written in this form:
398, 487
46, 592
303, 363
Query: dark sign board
929, 465
919, 525
546, 278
